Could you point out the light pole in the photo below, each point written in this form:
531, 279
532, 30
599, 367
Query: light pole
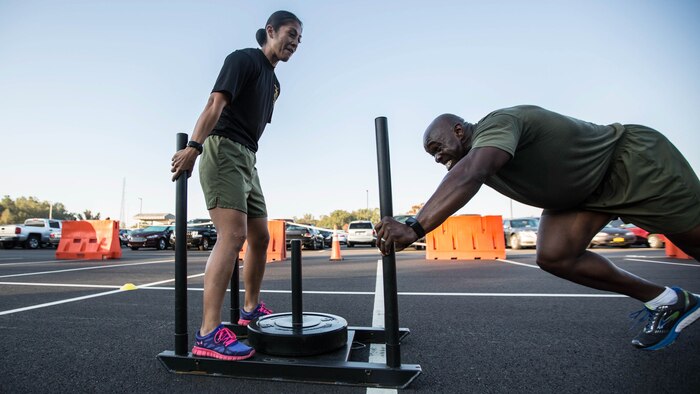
369, 216
511, 208
140, 212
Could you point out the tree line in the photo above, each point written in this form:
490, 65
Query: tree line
339, 218
23, 208
17, 211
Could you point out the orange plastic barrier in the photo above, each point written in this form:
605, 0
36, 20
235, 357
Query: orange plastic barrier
467, 237
89, 240
277, 249
675, 252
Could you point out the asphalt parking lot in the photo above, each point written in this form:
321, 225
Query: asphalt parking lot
478, 326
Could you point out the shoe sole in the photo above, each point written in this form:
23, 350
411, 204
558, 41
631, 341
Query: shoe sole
243, 322
682, 323
203, 352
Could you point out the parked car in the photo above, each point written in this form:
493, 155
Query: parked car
402, 219
342, 237
327, 238
124, 236
33, 234
198, 221
310, 237
520, 232
361, 232
201, 236
644, 238
613, 236
55, 238
151, 237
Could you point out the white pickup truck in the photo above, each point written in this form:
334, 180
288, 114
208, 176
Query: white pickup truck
33, 234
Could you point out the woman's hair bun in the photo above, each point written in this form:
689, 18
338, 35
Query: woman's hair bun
261, 36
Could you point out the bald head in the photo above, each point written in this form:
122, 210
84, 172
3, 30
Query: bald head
442, 124
448, 139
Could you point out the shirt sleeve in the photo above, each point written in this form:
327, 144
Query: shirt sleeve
498, 131
237, 70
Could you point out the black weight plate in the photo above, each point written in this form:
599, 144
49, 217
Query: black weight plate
276, 335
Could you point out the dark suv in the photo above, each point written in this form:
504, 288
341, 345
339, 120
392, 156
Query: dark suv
151, 237
201, 236
310, 237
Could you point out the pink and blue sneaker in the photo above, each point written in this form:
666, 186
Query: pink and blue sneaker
247, 317
222, 344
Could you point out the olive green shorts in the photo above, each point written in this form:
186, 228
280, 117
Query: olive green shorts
649, 183
229, 178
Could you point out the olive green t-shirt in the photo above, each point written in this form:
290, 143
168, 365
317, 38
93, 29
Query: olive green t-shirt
557, 161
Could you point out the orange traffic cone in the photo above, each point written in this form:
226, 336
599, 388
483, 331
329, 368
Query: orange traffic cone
675, 252
335, 255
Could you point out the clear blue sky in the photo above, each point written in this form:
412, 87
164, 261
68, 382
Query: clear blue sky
92, 92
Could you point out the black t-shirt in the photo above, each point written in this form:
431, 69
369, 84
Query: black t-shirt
249, 80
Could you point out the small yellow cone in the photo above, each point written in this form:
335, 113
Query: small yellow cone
129, 286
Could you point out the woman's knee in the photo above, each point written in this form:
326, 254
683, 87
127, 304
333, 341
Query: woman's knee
259, 240
233, 241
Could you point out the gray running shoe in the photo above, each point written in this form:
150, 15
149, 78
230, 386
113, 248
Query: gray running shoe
666, 322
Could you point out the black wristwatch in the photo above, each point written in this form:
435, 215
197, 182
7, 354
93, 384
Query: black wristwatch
196, 145
417, 228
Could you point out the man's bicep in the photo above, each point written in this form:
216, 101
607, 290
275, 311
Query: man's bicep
488, 160
498, 131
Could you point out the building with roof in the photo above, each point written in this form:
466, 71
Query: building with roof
150, 219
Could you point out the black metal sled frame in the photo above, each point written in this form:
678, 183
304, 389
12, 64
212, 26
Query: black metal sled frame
330, 368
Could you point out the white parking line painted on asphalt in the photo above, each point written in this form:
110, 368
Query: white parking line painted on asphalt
242, 291
28, 308
380, 323
379, 391
377, 351
664, 262
320, 292
87, 286
553, 295
426, 294
169, 280
516, 263
61, 285
87, 268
